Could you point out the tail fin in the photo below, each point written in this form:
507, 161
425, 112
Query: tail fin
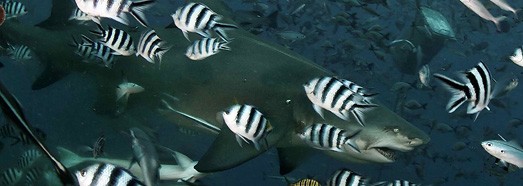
358, 112
502, 24
459, 92
220, 30
136, 10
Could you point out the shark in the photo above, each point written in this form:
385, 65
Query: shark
254, 72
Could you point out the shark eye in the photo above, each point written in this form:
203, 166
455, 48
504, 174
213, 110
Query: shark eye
502, 151
489, 144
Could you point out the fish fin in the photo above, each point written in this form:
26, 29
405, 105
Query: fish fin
132, 162
358, 112
122, 18
352, 143
502, 137
292, 157
456, 88
186, 35
183, 160
60, 12
318, 110
171, 25
99, 30
239, 139
502, 24
69, 158
50, 75
476, 116
136, 10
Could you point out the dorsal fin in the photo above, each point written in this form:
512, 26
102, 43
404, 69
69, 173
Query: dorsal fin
502, 137
60, 12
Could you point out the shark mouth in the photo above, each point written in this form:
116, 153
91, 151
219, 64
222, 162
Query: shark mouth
386, 152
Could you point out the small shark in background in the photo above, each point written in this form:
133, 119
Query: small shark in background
255, 72
183, 171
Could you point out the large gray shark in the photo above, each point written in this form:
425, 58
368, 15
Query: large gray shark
255, 72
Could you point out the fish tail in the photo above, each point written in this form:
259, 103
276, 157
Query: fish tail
136, 10
502, 24
457, 89
224, 46
220, 30
358, 112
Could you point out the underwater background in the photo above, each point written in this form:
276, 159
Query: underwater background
64, 110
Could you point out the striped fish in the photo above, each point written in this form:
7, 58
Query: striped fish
28, 158
104, 175
20, 52
116, 9
204, 48
247, 123
94, 52
306, 182
13, 9
151, 47
32, 175
198, 18
82, 16
358, 89
400, 183
9, 131
345, 177
476, 90
11, 176
335, 96
116, 39
328, 137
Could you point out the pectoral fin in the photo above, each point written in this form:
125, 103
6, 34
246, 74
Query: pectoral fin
49, 76
291, 157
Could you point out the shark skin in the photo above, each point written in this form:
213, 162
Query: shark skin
254, 72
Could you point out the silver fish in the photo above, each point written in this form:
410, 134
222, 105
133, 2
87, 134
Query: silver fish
146, 156
477, 7
508, 152
424, 75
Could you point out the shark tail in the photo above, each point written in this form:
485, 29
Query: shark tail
457, 89
136, 10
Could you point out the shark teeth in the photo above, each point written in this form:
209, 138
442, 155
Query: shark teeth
388, 153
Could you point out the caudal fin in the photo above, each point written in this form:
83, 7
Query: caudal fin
136, 10
457, 89
502, 24
220, 30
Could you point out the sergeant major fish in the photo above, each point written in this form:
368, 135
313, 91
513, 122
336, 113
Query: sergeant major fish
94, 52
82, 16
104, 175
205, 47
115, 9
198, 18
151, 47
247, 123
476, 90
346, 177
19, 52
332, 94
116, 39
13, 9
328, 137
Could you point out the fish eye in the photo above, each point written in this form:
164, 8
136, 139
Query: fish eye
489, 144
82, 172
502, 151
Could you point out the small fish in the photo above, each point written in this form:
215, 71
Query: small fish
345, 177
358, 89
198, 18
248, 123
517, 57
477, 7
11, 176
328, 137
94, 52
104, 175
298, 9
13, 9
505, 86
291, 35
424, 75
151, 47
116, 9
98, 146
124, 89
477, 90
116, 39
20, 52
32, 175
28, 158
333, 95
82, 16
306, 182
508, 152
204, 48
400, 183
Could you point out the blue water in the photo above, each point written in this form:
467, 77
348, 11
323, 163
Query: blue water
64, 109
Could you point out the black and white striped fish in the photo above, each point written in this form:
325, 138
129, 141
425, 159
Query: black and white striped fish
476, 89
204, 48
9, 131
198, 18
151, 47
399, 183
20, 52
82, 16
358, 89
247, 123
32, 175
345, 177
28, 158
116, 9
94, 52
335, 96
116, 39
104, 175
11, 176
13, 9
328, 137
